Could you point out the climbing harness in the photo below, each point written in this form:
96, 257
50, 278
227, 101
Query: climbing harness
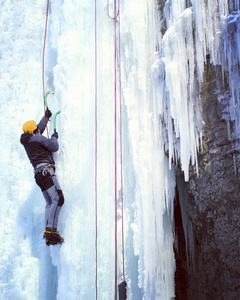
44, 168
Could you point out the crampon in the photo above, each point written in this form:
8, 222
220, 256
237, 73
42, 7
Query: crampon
52, 236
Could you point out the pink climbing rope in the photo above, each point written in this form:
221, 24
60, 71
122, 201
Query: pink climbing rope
43, 62
117, 16
96, 148
115, 141
121, 141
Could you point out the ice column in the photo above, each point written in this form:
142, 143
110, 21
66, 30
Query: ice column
154, 182
190, 34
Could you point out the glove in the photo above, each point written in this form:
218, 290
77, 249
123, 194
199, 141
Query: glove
48, 113
55, 134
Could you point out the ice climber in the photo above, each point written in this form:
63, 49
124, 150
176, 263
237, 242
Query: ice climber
40, 153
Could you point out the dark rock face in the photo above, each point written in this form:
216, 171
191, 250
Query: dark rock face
180, 251
214, 204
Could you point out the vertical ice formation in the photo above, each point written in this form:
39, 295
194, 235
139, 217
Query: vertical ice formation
178, 95
21, 213
158, 118
68, 272
230, 63
154, 183
148, 182
190, 33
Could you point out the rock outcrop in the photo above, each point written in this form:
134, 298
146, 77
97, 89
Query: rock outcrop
213, 205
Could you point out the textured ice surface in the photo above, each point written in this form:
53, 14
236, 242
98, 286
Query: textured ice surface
161, 78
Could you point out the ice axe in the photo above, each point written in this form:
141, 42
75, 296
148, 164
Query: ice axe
45, 97
46, 104
54, 122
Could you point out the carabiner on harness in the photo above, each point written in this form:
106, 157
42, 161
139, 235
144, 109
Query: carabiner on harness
45, 171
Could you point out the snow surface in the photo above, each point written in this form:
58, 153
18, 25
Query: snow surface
161, 112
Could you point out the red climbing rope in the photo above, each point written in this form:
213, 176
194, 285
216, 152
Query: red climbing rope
121, 139
96, 140
121, 142
43, 58
115, 141
117, 16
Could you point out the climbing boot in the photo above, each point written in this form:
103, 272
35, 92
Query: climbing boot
52, 236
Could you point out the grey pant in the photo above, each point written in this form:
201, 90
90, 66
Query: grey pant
53, 195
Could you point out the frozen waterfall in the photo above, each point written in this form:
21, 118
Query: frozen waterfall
163, 51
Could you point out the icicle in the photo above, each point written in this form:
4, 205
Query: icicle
180, 95
231, 60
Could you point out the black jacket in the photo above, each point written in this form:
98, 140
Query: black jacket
39, 148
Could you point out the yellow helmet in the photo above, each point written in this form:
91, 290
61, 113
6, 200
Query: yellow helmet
29, 127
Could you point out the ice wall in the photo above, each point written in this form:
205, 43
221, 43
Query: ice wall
161, 79
21, 204
29, 269
191, 30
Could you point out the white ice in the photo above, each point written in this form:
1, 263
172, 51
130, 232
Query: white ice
29, 269
161, 78
190, 34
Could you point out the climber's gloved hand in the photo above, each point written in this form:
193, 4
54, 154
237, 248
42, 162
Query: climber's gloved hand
48, 113
55, 134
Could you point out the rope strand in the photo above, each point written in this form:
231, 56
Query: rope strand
96, 141
115, 141
121, 141
115, 13
120, 116
43, 62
